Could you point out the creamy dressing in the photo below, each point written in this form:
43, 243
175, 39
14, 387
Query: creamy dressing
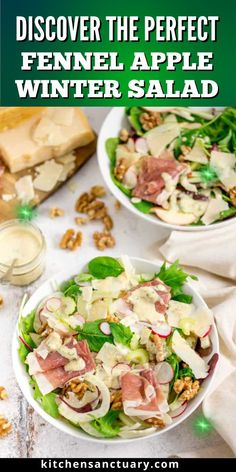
19, 242
75, 364
143, 300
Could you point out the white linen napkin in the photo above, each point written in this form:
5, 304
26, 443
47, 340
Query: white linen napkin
212, 256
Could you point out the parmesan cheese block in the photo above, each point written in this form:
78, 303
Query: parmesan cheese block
10, 117
43, 137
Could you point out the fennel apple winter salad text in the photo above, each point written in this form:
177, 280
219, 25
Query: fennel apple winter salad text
117, 353
177, 164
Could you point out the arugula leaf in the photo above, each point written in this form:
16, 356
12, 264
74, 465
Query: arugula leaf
104, 266
121, 334
108, 425
48, 402
186, 372
175, 277
70, 289
111, 145
134, 119
93, 335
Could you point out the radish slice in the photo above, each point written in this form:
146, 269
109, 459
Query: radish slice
207, 332
212, 363
119, 368
79, 318
25, 344
164, 373
179, 411
105, 328
53, 304
163, 330
141, 145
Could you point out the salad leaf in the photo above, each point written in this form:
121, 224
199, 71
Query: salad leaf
111, 145
186, 372
71, 289
26, 326
93, 335
122, 187
143, 206
227, 213
23, 352
134, 119
121, 334
108, 425
174, 362
104, 266
81, 278
48, 402
175, 277
96, 338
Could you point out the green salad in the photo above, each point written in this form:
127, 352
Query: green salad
178, 164
117, 353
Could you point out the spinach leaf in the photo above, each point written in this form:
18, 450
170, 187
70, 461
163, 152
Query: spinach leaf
108, 425
81, 278
93, 335
227, 213
174, 362
105, 266
175, 277
111, 145
121, 334
122, 187
134, 119
70, 289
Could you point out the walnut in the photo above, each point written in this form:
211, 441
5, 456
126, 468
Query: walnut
120, 169
232, 195
124, 135
159, 343
80, 221
116, 400
45, 330
150, 120
1, 301
117, 205
71, 240
103, 240
112, 319
108, 223
3, 393
96, 210
5, 426
157, 422
83, 201
77, 387
188, 387
98, 191
185, 149
55, 212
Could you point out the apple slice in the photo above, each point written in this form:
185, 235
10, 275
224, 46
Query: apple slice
174, 217
179, 411
141, 146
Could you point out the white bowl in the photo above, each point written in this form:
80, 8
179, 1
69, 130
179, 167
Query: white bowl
114, 122
22, 377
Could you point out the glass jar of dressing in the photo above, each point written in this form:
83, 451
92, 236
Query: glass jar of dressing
23, 243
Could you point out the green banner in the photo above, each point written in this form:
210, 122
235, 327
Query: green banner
104, 53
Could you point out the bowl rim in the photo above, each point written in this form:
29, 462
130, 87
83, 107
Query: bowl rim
22, 376
104, 165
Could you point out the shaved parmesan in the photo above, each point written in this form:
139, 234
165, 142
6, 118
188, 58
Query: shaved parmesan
49, 173
197, 154
66, 171
176, 311
214, 208
224, 164
189, 356
67, 158
158, 138
24, 189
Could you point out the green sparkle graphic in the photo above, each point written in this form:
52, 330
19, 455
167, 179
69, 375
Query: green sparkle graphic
25, 212
208, 174
202, 425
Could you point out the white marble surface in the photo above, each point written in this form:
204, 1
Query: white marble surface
31, 436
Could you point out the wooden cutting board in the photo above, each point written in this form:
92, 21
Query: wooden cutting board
7, 182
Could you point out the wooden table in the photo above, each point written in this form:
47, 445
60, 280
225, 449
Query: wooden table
31, 436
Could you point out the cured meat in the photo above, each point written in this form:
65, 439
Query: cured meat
50, 372
141, 395
150, 181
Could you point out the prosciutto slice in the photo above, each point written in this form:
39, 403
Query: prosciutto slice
163, 291
50, 372
150, 181
141, 394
